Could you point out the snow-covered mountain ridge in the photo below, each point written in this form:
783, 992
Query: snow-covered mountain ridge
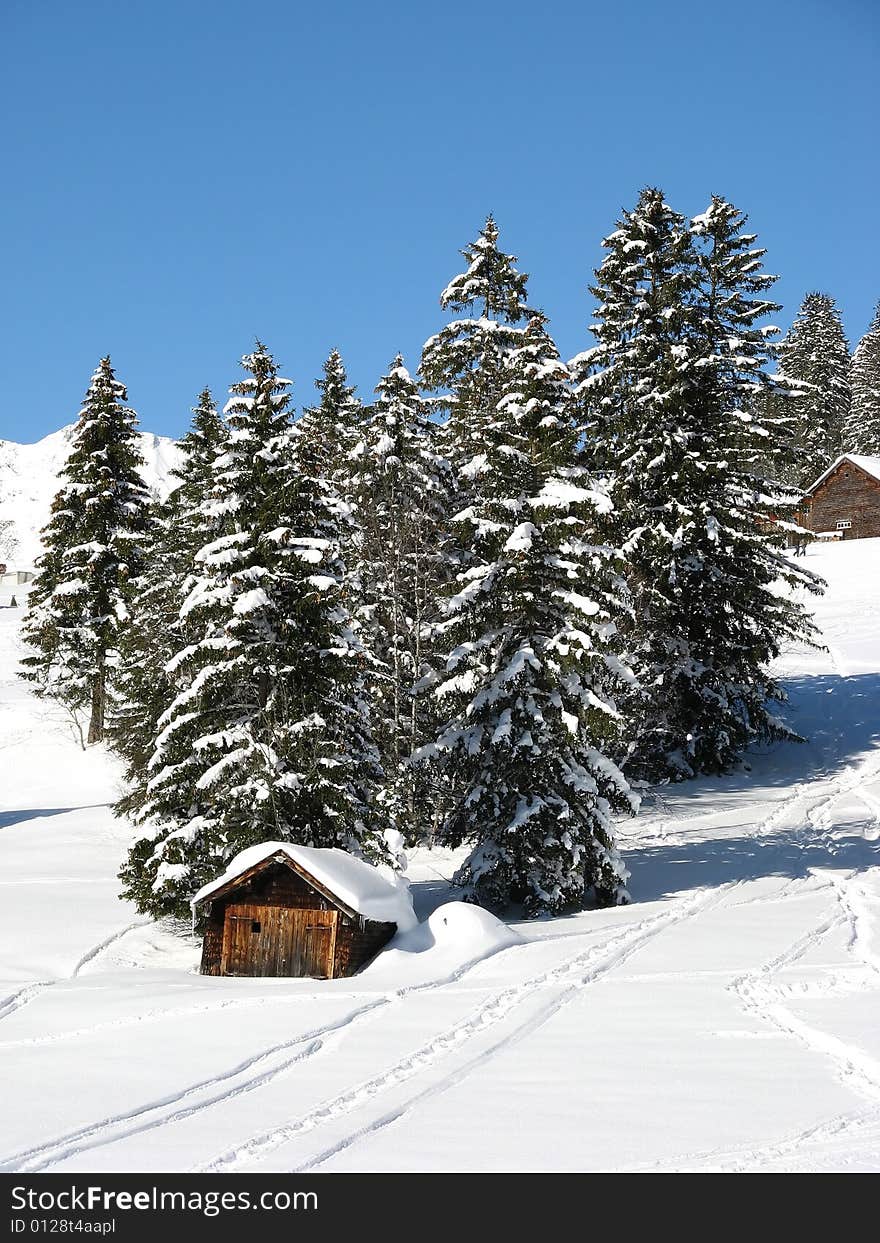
30, 478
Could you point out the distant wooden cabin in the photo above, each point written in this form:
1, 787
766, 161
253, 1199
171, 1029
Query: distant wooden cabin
844, 502
14, 578
285, 910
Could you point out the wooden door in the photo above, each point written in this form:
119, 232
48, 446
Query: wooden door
317, 937
277, 940
244, 937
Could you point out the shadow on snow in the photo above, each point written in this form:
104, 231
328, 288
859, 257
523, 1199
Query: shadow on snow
8, 819
840, 719
659, 871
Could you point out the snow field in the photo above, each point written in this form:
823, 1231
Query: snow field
728, 1019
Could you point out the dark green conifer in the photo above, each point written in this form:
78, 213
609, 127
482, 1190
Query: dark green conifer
177, 531
79, 602
268, 735
530, 670
814, 358
667, 393
862, 430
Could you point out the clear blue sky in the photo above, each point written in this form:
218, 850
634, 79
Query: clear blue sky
182, 175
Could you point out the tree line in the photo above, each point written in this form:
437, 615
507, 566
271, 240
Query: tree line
483, 608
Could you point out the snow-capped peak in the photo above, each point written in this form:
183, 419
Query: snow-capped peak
29, 479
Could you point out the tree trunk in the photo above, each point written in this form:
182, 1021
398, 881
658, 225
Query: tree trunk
96, 720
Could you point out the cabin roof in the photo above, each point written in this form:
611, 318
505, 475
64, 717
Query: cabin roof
376, 893
870, 465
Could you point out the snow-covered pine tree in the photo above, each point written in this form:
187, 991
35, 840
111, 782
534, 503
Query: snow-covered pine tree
8, 541
814, 357
529, 666
634, 394
464, 362
200, 448
80, 596
329, 441
331, 432
862, 432
402, 496
463, 367
177, 532
679, 350
268, 736
736, 531
636, 373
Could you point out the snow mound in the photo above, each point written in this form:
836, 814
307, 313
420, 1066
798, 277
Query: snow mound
377, 893
454, 927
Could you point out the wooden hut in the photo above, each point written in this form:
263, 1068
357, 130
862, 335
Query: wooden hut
14, 578
844, 502
290, 910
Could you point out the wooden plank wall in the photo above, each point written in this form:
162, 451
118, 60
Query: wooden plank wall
846, 495
259, 939
356, 944
357, 940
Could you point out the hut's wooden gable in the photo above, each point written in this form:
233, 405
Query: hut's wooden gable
846, 499
275, 919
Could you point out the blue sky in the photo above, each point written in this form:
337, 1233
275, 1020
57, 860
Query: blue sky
179, 177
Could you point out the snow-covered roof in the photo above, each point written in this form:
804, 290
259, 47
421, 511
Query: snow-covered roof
377, 893
870, 465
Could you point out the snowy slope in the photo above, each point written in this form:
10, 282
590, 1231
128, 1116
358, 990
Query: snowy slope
728, 1019
29, 480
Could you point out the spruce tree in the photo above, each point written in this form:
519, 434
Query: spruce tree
814, 357
742, 517
463, 368
79, 602
666, 392
8, 541
332, 431
402, 494
176, 533
634, 393
268, 736
329, 442
529, 670
634, 380
862, 433
464, 363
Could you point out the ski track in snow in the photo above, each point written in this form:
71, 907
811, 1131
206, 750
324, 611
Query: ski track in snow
16, 1001
759, 996
586, 968
839, 944
25, 996
99, 949
851, 897
749, 1157
31, 992
808, 810
762, 996
153, 1114
802, 809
